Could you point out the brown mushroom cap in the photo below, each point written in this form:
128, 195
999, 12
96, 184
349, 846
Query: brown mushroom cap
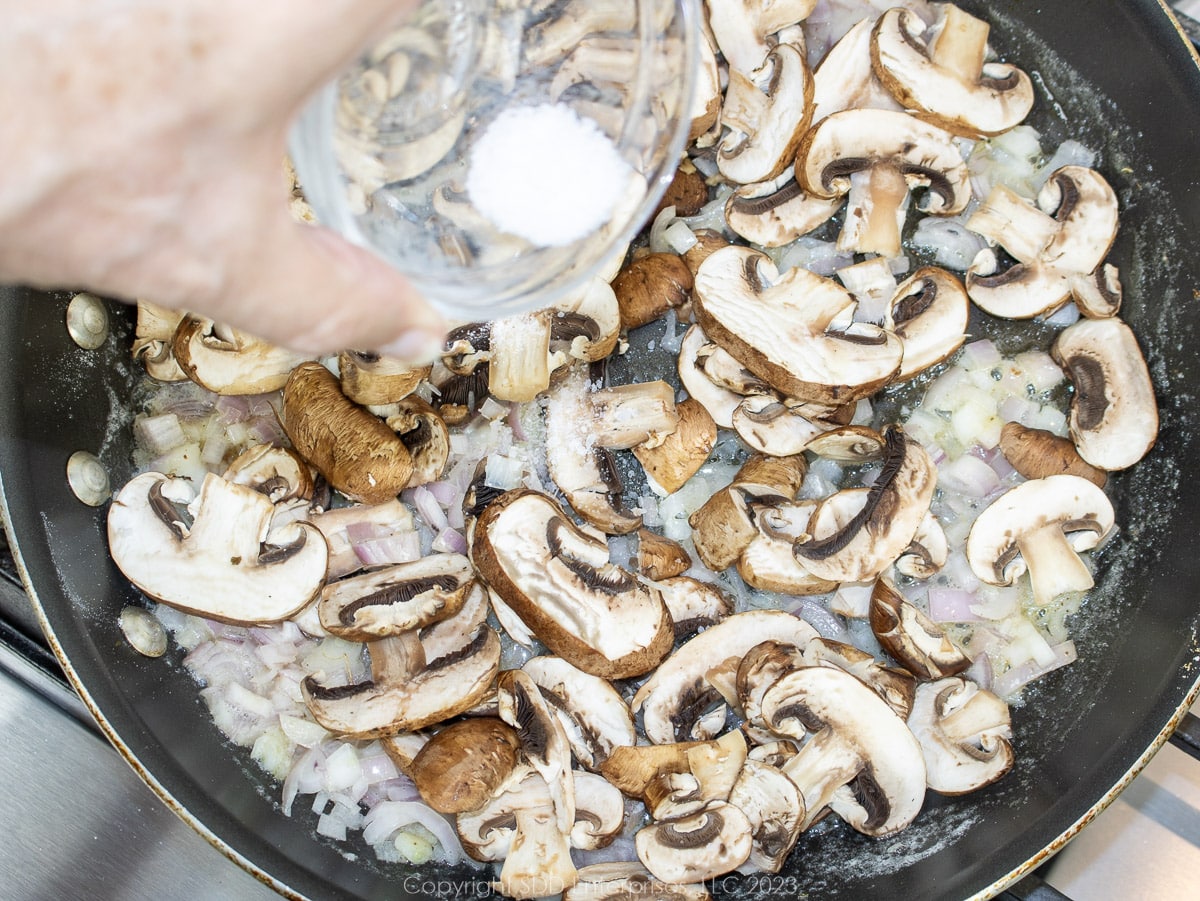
368, 378
464, 764
355, 450
912, 638
651, 285
1037, 453
680, 455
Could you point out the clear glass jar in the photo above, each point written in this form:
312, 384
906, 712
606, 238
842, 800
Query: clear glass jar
385, 154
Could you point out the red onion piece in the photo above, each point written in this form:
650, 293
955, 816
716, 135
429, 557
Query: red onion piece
384, 819
952, 605
450, 541
427, 506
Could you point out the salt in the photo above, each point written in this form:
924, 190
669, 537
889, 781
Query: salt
545, 174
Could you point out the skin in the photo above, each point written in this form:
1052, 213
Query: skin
141, 148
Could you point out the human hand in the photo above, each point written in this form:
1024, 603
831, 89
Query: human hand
141, 154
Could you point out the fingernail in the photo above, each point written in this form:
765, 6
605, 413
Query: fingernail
414, 346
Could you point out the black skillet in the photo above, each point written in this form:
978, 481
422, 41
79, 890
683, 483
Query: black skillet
1115, 74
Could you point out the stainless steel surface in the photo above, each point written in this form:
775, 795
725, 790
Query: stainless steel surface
79, 824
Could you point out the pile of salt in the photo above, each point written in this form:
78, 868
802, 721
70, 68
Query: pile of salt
545, 174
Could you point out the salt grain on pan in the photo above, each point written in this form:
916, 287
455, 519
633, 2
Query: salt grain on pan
545, 174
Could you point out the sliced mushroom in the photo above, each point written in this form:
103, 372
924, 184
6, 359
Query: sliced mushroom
768, 561
640, 413
775, 808
217, 565
600, 812
858, 541
453, 633
776, 212
694, 605
520, 363
861, 760
1098, 294
518, 827
766, 111
520, 703
660, 558
276, 472
702, 846
876, 157
1067, 234
367, 378
774, 428
722, 528
944, 77
594, 717
461, 767
927, 553
760, 668
965, 733
406, 692
1114, 415
677, 702
792, 330
891, 683
912, 638
1040, 526
845, 79
743, 28
719, 401
397, 598
153, 335
425, 435
929, 312
560, 582
674, 460
228, 361
679, 779
1037, 453
355, 451
553, 38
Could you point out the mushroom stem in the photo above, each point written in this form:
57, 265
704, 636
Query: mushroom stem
1014, 223
822, 766
539, 861
1054, 566
961, 45
875, 212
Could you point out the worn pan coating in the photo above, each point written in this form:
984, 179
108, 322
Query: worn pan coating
1123, 77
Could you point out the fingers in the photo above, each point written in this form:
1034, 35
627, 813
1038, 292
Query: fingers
307, 289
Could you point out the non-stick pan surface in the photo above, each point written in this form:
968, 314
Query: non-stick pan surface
1114, 74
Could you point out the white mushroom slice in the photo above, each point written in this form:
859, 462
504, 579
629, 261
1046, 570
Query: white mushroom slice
965, 734
891, 153
512, 624
768, 562
403, 749
894, 685
595, 718
743, 28
228, 361
694, 605
397, 598
1040, 526
1114, 415
861, 761
720, 402
464, 764
152, 339
777, 212
406, 692
1098, 294
638, 413
1068, 233
760, 668
562, 585
368, 378
276, 472
850, 445
773, 427
600, 812
702, 846
621, 880
766, 113
858, 533
912, 638
586, 325
845, 78
929, 312
927, 553
518, 826
706, 101
426, 436
675, 697
947, 79
217, 566
792, 330
519, 703
775, 808
454, 633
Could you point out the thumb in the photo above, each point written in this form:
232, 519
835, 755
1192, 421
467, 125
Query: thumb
308, 289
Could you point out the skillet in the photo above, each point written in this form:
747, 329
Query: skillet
1114, 74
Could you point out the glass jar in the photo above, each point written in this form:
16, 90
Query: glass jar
419, 150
